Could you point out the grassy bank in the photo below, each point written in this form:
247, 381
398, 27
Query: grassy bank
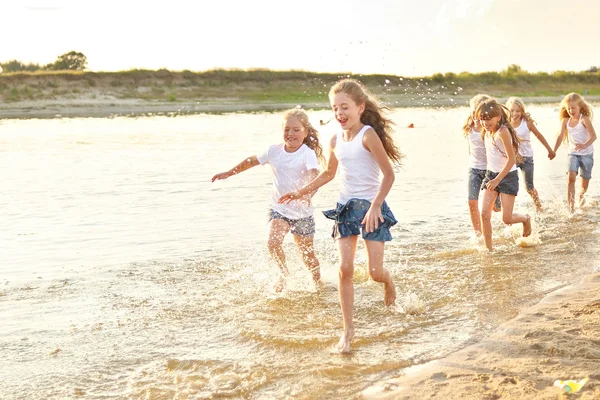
280, 86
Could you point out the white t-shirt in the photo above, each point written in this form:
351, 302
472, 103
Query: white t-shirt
578, 135
496, 153
477, 157
290, 173
358, 170
524, 135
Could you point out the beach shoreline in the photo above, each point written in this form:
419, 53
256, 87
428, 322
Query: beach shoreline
556, 339
102, 108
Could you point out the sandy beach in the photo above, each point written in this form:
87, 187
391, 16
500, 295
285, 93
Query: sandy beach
557, 339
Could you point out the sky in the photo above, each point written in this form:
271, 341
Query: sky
399, 37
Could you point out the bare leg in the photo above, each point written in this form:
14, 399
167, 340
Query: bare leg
378, 272
278, 228
509, 218
489, 197
536, 199
347, 251
571, 190
305, 245
475, 216
585, 183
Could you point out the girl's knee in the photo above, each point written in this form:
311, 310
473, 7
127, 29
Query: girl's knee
378, 275
346, 271
274, 244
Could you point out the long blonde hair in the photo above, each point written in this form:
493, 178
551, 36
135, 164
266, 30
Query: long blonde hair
373, 115
491, 108
519, 103
473, 103
312, 137
584, 107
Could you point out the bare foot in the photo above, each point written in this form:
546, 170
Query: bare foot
389, 296
343, 345
527, 226
280, 284
581, 201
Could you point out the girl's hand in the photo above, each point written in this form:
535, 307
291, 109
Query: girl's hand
372, 219
551, 154
286, 198
493, 184
222, 175
579, 147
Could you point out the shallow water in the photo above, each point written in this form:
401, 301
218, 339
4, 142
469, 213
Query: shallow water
127, 274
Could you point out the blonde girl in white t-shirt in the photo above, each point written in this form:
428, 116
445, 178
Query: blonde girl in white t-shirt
577, 129
294, 163
363, 152
501, 179
524, 125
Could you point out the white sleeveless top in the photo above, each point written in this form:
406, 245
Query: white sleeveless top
496, 153
358, 170
524, 135
578, 135
477, 158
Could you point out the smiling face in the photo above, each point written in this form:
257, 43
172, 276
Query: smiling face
294, 134
573, 109
345, 110
515, 113
491, 123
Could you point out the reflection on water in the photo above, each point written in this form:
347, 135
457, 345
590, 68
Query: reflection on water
126, 273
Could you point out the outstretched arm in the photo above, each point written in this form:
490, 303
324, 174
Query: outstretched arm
324, 177
561, 135
587, 122
541, 138
248, 163
372, 143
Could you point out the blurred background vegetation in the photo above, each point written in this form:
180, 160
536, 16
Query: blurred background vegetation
67, 78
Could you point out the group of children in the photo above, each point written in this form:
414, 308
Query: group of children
363, 155
500, 143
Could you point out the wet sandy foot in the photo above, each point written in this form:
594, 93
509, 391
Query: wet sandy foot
343, 345
527, 226
389, 297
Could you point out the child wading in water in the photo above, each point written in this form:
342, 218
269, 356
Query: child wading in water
523, 124
501, 147
477, 162
576, 128
362, 149
294, 164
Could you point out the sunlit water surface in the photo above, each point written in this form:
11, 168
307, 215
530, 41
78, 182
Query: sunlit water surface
126, 273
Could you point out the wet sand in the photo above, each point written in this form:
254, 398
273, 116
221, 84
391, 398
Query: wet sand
557, 339
106, 106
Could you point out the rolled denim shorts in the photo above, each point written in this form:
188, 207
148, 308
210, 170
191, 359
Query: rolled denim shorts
526, 167
300, 227
348, 221
508, 185
581, 164
476, 176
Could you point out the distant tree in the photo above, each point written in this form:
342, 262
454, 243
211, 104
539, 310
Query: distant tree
593, 69
17, 66
514, 69
72, 60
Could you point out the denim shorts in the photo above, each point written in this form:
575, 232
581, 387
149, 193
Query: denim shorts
476, 177
508, 185
526, 167
348, 221
582, 164
300, 227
